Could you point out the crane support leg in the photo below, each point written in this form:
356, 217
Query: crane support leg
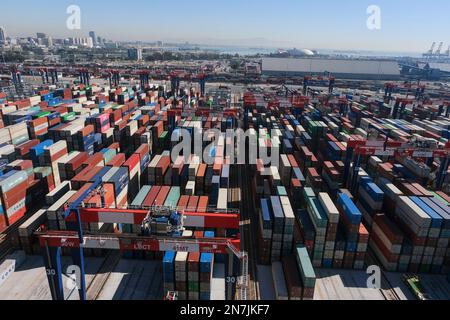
348, 160
78, 255
230, 275
442, 173
356, 167
52, 261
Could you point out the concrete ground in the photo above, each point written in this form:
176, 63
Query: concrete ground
334, 284
130, 279
142, 280
108, 278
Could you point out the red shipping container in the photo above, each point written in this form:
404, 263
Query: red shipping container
390, 229
193, 261
13, 196
84, 176
115, 146
390, 257
132, 162
192, 204
3, 224
117, 160
143, 150
109, 197
77, 195
151, 196
162, 166
76, 162
198, 234
87, 130
183, 202
162, 195
202, 204
24, 148
122, 203
217, 169
95, 160
16, 216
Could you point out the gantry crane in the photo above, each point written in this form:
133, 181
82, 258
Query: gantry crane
406, 87
75, 214
85, 76
438, 51
178, 75
430, 52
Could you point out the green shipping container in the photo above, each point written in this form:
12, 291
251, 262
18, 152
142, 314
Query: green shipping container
140, 197
305, 266
316, 213
43, 114
173, 197
68, 117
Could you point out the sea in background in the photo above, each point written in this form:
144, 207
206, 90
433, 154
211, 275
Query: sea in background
245, 51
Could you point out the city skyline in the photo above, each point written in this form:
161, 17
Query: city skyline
405, 24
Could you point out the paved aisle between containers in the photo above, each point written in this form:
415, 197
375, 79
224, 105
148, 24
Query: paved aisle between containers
248, 233
29, 282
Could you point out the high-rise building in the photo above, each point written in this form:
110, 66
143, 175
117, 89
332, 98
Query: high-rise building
94, 37
2, 35
49, 41
135, 54
41, 35
89, 42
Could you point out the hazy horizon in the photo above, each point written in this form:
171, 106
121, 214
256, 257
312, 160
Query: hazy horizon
322, 25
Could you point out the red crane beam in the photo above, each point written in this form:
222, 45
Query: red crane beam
70, 239
131, 216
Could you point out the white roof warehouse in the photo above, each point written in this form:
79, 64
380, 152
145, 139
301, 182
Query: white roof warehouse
340, 68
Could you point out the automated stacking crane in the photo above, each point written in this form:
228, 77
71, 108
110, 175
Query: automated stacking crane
407, 88
47, 74
85, 76
178, 75
390, 148
75, 214
320, 80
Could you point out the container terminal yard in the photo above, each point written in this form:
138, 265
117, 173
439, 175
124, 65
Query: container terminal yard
97, 202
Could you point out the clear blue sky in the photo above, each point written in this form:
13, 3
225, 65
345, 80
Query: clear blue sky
407, 25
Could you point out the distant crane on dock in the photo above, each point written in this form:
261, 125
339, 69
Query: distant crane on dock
438, 51
429, 54
438, 54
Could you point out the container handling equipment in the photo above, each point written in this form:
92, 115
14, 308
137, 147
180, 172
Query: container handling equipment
75, 239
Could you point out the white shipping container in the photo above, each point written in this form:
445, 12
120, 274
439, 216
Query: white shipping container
414, 212
222, 201
190, 188
289, 217
180, 261
32, 223
329, 207
53, 210
56, 147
